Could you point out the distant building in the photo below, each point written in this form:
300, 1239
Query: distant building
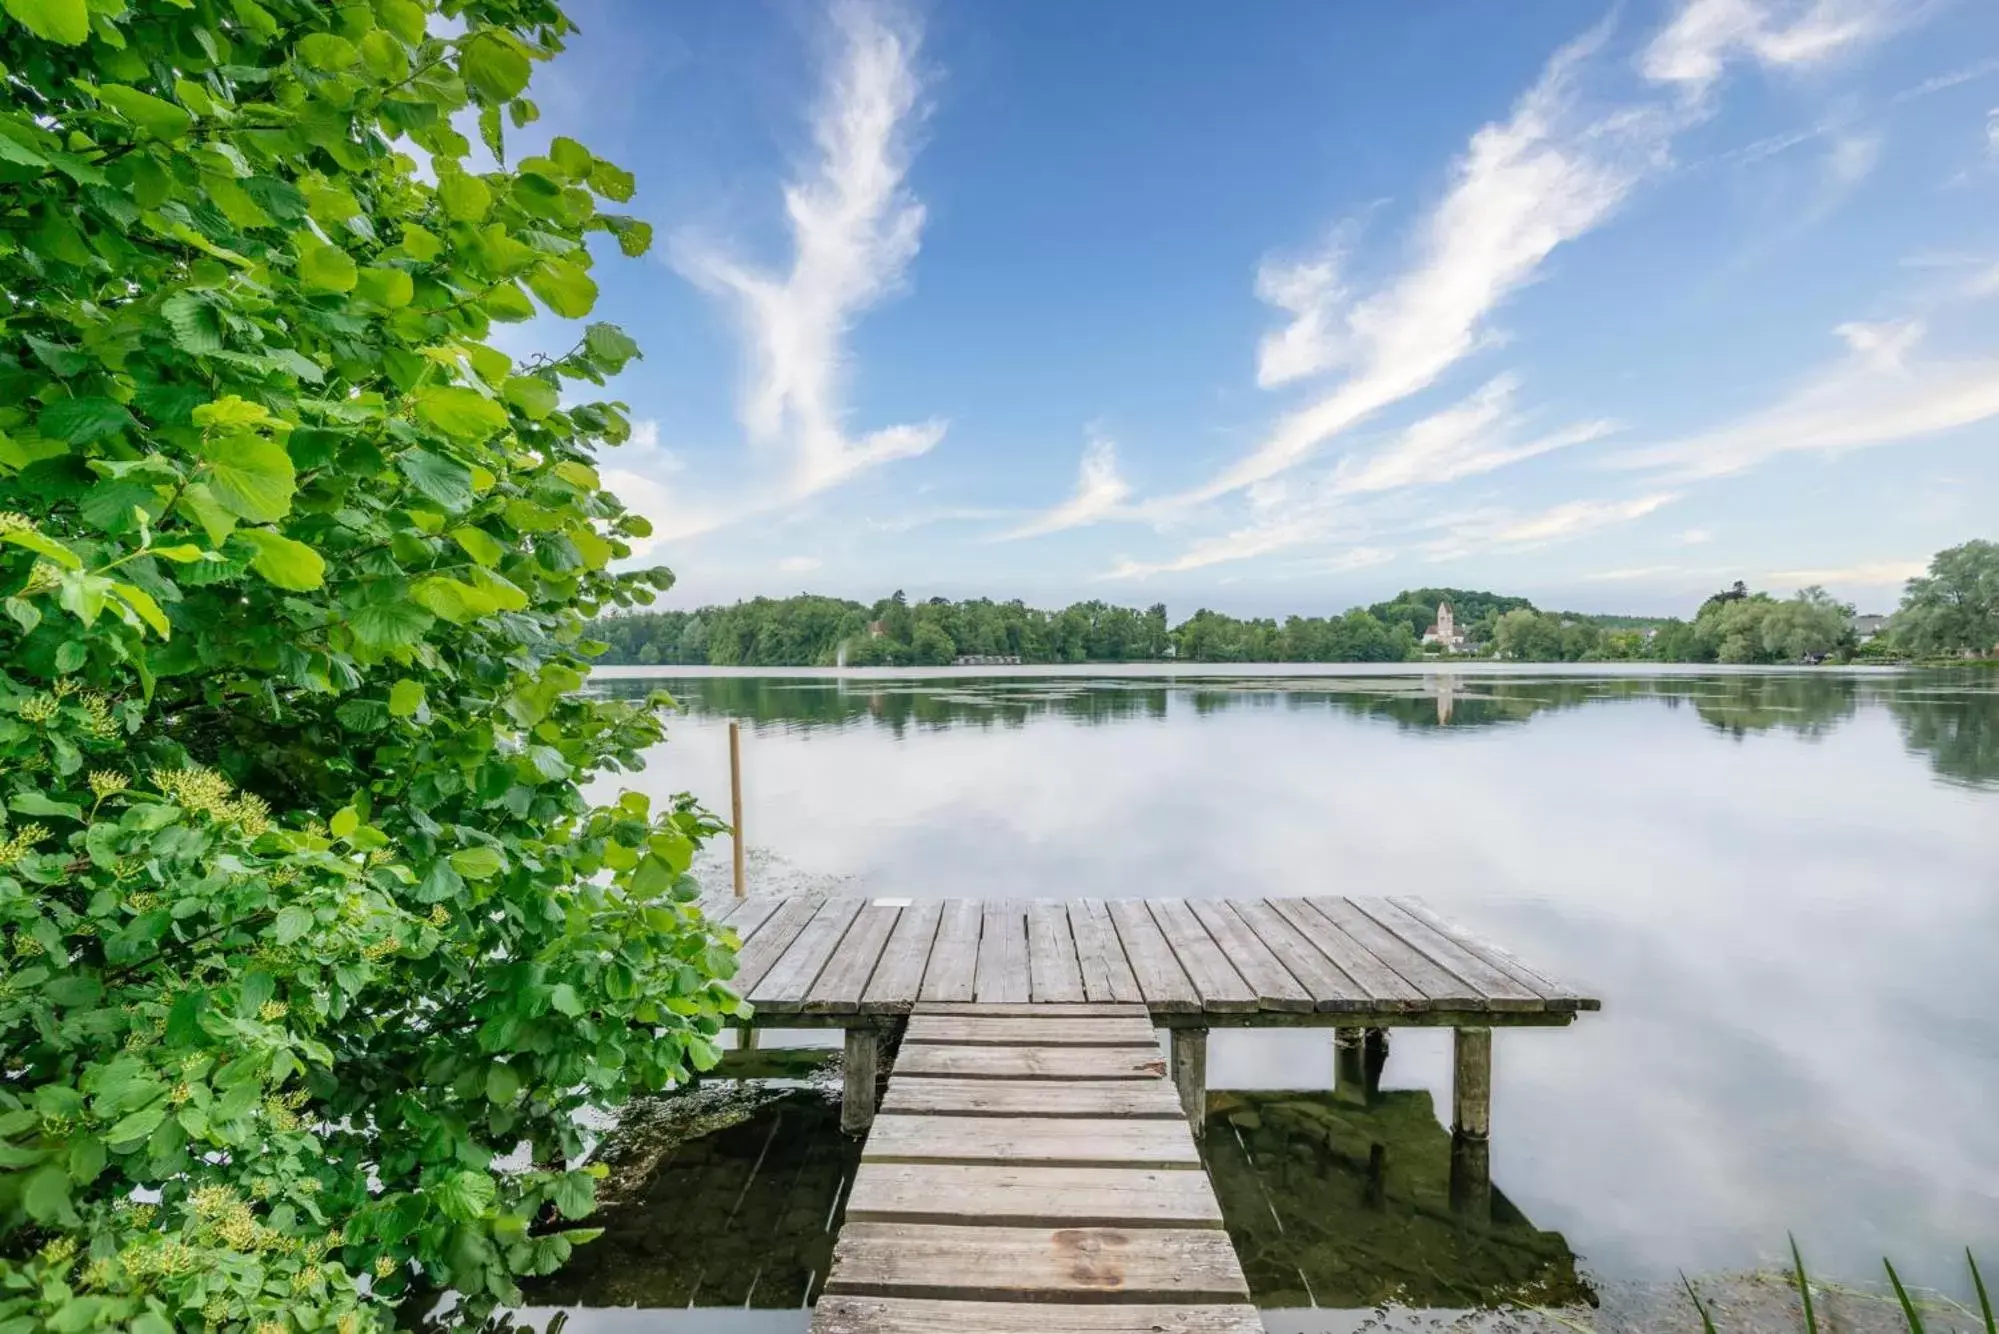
876, 629
1444, 634
1866, 627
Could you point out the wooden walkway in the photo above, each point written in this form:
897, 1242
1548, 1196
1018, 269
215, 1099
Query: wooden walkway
1032, 1171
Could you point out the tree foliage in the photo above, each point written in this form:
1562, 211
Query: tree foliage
1955, 607
306, 919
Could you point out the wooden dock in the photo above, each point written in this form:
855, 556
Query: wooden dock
1031, 1170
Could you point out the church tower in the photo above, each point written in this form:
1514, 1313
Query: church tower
1446, 630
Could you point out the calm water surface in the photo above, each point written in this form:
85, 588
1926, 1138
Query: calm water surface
1785, 886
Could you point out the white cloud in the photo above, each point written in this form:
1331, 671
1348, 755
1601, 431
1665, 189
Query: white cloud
1992, 133
1692, 51
1878, 574
1239, 546
1556, 524
1694, 537
799, 564
1635, 573
1852, 160
1100, 492
1469, 438
1880, 393
1524, 186
855, 228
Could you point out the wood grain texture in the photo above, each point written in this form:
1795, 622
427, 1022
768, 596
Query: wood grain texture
1031, 1196
954, 957
901, 1315
841, 983
1117, 1098
1049, 1141
1053, 973
1134, 1030
1385, 987
1331, 989
784, 987
772, 939
1049, 1010
898, 975
1501, 992
1161, 980
1558, 995
1215, 979
1253, 961
1036, 1264
1439, 985
1002, 976
1032, 1062
1107, 974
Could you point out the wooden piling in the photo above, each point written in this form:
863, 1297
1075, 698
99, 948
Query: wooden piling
857, 1098
1471, 1123
736, 801
1190, 1076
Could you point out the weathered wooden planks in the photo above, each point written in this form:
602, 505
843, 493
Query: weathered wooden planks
1438, 985
1001, 976
771, 940
1149, 1098
783, 988
963, 1193
1107, 974
1032, 1062
1059, 1141
844, 979
899, 1315
1161, 980
1330, 988
1382, 985
1021, 1264
1215, 979
1053, 971
1500, 991
971, 1030
1258, 965
954, 954
1558, 996
898, 977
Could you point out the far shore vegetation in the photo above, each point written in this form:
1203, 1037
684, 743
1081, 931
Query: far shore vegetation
1950, 613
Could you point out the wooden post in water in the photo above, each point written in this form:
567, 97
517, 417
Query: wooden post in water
1190, 1076
857, 1097
1471, 1123
1349, 1079
736, 800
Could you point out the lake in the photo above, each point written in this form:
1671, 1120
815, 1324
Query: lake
1784, 886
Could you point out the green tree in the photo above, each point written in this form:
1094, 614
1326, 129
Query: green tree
1955, 607
1528, 636
306, 916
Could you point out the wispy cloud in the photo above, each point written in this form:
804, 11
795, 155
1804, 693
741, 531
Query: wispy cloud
1524, 186
1876, 574
855, 228
1852, 159
1500, 531
1468, 438
1693, 50
800, 564
1100, 492
1880, 393
1694, 537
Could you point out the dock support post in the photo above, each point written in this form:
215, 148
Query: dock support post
857, 1098
1471, 1123
1190, 1076
1358, 1057
736, 802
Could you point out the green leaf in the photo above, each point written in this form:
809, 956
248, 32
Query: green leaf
142, 604
64, 21
575, 1195
326, 52
479, 545
294, 920
252, 477
326, 268
494, 62
444, 480
200, 504
46, 1197
229, 412
456, 601
462, 413
161, 120
391, 289
136, 1126
465, 1196
390, 625
478, 863
573, 158
612, 181
284, 562
181, 553
405, 697
465, 198
534, 396
82, 420
503, 1083
609, 346
564, 288
42, 546
563, 998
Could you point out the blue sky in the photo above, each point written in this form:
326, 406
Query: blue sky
1286, 306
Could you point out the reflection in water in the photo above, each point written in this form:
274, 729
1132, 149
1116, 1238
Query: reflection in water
1785, 886
1953, 718
1331, 1203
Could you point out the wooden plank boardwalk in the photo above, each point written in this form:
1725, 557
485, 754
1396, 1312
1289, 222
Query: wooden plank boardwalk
1031, 1170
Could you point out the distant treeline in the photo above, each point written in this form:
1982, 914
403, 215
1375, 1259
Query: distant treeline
1733, 626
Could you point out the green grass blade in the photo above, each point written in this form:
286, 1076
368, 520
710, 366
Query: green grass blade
1909, 1312
1804, 1288
1984, 1302
1707, 1321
